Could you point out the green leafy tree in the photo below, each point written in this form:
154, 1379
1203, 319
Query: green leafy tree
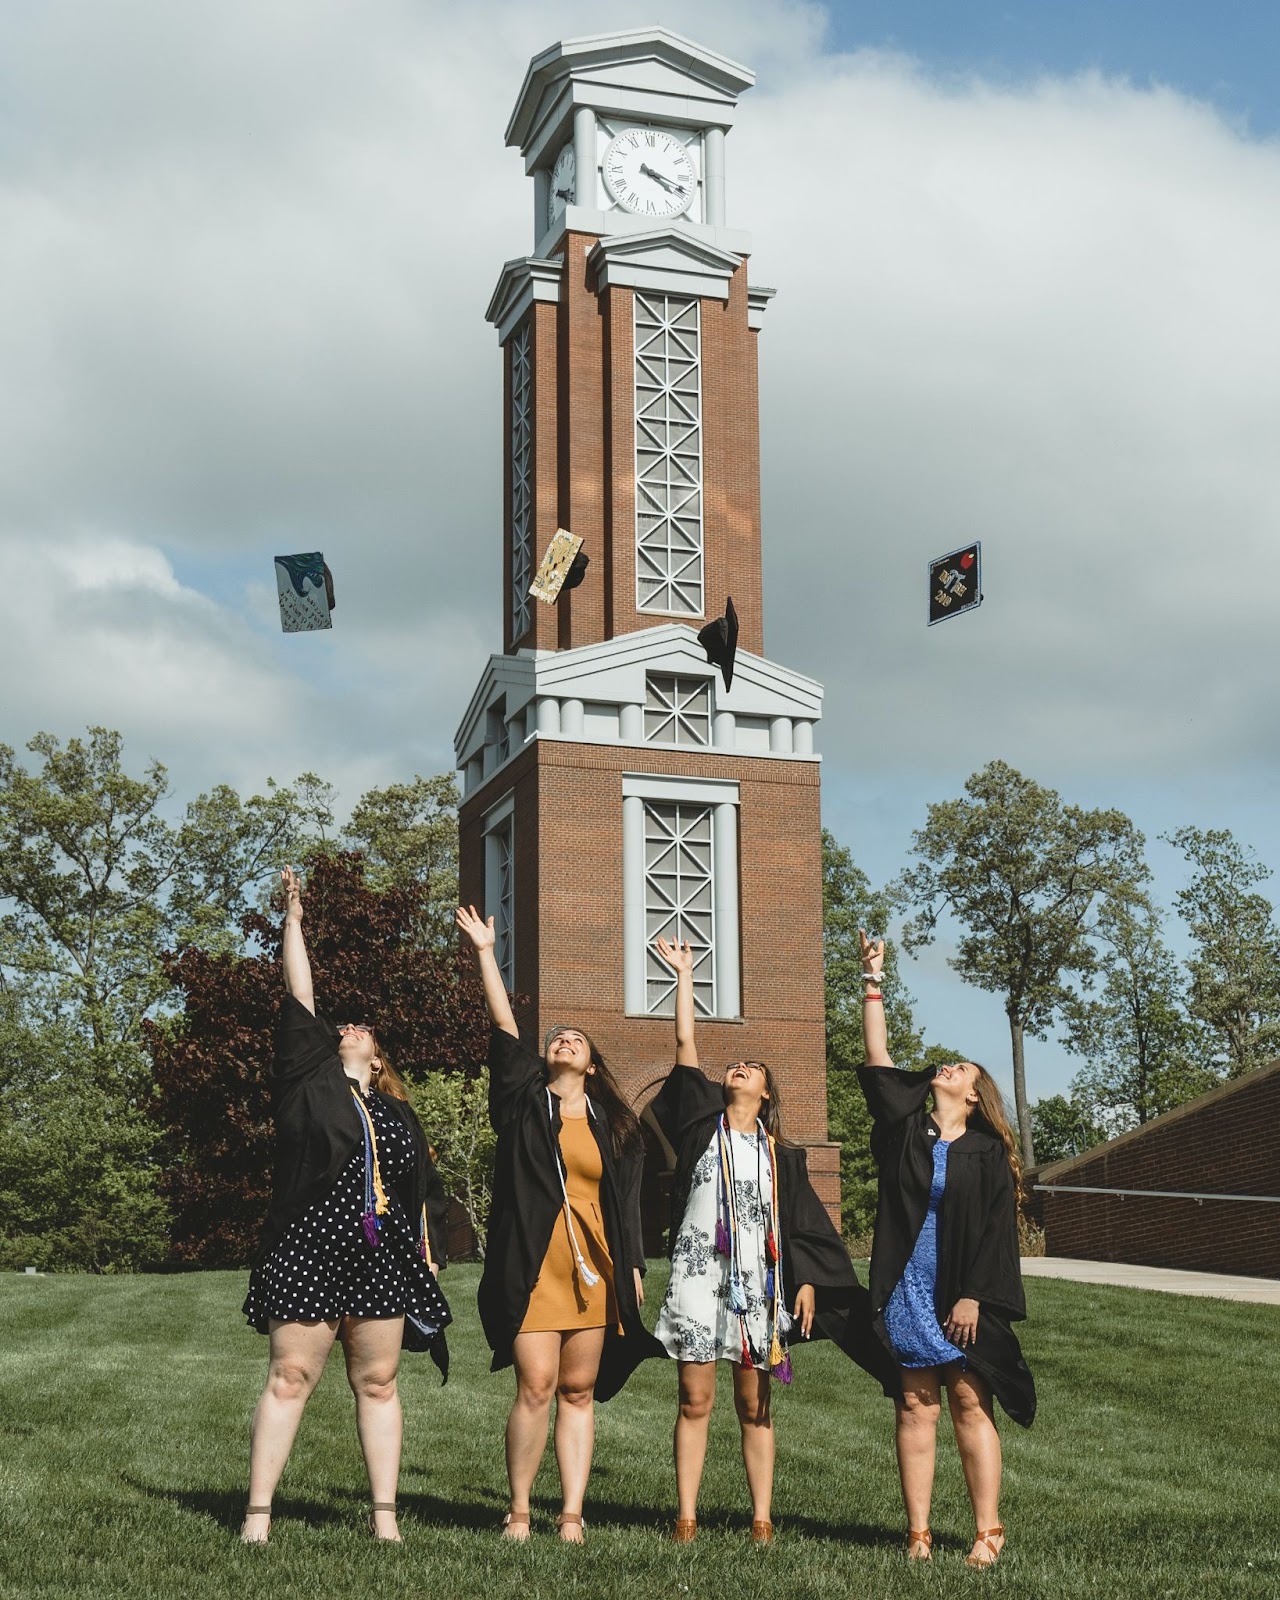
408, 836
1064, 1127
1139, 1045
455, 1111
1235, 972
1022, 874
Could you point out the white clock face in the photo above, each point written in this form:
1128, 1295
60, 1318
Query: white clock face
649, 173
562, 185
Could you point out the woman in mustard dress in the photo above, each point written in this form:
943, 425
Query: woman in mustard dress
561, 1289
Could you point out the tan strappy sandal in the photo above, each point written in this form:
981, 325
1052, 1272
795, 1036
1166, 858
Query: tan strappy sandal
571, 1519
516, 1519
987, 1537
923, 1537
383, 1505
685, 1530
256, 1511
762, 1533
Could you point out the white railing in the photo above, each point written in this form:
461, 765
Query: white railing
1155, 1194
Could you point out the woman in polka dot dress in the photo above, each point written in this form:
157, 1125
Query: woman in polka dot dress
353, 1238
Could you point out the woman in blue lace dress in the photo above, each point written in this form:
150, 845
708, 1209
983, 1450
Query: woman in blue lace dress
945, 1277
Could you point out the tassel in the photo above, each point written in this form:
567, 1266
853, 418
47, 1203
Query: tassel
785, 1322
768, 1284
737, 1296
771, 1250
422, 1236
747, 1362
371, 1229
722, 1237
782, 1372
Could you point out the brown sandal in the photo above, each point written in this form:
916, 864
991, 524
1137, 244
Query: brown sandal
383, 1505
571, 1519
685, 1530
762, 1533
987, 1537
920, 1536
257, 1511
516, 1519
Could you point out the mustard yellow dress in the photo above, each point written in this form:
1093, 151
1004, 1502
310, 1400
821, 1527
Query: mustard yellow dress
561, 1302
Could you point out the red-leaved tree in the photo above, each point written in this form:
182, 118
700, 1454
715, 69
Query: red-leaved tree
211, 1060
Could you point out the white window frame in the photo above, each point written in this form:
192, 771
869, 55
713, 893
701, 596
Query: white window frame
668, 454
500, 883
719, 995
677, 705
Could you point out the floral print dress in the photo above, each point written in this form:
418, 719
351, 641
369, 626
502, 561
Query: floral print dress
696, 1322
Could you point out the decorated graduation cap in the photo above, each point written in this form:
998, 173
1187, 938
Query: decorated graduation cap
562, 567
955, 583
720, 640
305, 585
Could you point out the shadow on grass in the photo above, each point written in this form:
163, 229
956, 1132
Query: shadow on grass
225, 1507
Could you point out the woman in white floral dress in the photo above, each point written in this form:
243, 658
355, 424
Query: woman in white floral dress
755, 1260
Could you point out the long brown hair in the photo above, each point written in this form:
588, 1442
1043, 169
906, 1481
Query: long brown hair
602, 1086
386, 1080
990, 1113
770, 1107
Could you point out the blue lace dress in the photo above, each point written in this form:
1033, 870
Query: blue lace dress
911, 1318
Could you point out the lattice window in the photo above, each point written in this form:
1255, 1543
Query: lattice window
679, 901
677, 710
501, 895
521, 481
668, 455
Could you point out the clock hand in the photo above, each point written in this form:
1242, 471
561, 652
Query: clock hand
671, 188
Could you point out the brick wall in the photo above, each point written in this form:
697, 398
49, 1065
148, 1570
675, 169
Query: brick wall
1224, 1142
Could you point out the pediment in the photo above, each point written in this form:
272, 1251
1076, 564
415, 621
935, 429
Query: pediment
663, 260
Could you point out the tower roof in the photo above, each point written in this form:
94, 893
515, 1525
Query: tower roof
644, 72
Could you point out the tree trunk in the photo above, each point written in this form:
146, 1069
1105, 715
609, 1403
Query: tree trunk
1020, 1092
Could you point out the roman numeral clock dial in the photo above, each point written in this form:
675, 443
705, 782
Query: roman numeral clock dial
649, 173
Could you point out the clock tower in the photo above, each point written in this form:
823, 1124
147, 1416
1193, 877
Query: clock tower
614, 788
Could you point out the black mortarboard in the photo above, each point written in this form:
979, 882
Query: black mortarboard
720, 640
577, 571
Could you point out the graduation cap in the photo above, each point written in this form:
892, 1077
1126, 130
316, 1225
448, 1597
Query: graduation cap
563, 567
955, 583
305, 586
720, 640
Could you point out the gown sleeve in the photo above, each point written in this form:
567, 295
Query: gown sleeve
513, 1069
892, 1094
992, 1274
304, 1043
814, 1252
686, 1097
630, 1172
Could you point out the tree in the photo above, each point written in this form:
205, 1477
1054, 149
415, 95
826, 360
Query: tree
1063, 1127
211, 1062
1139, 1044
408, 836
1235, 972
455, 1110
1022, 873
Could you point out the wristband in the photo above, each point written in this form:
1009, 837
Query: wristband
867, 997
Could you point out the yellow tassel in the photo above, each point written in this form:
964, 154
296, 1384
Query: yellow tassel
381, 1204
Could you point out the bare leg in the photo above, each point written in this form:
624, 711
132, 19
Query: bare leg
916, 1438
537, 1364
979, 1445
751, 1398
372, 1348
580, 1353
693, 1420
298, 1352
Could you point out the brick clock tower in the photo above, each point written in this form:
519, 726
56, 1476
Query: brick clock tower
613, 789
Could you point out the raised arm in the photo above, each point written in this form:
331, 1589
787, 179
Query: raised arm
679, 957
297, 964
483, 939
875, 1035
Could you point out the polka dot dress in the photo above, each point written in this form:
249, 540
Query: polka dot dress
323, 1267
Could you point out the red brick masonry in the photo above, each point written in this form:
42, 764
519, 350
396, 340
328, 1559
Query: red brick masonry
1224, 1142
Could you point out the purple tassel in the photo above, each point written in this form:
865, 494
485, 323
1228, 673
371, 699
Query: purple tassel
722, 1238
782, 1372
768, 1284
371, 1229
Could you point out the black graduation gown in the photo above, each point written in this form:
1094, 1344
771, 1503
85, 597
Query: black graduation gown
687, 1108
527, 1201
317, 1129
978, 1255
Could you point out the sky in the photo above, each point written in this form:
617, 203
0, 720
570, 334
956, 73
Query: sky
1026, 257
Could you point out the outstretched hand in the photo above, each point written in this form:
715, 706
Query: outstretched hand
477, 929
678, 955
291, 884
872, 952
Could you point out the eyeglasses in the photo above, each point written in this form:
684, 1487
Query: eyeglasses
355, 1027
758, 1065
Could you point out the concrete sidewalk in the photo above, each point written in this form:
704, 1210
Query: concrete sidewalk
1169, 1280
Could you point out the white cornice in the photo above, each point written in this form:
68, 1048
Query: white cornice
647, 72
758, 298
663, 261
520, 283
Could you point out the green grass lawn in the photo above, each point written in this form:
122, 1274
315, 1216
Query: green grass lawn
124, 1406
